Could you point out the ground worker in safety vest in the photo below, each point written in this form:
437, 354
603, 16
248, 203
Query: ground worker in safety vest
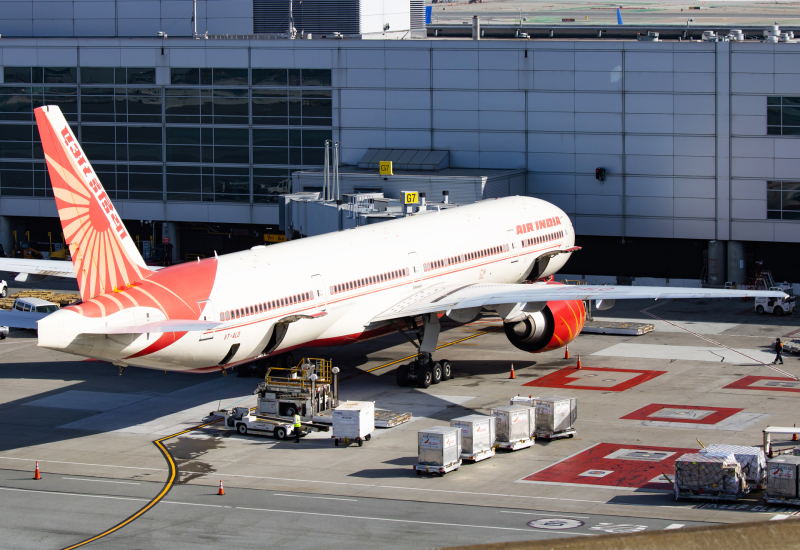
778, 351
297, 427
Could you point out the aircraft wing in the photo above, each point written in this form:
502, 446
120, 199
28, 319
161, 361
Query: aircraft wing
445, 297
167, 325
20, 319
55, 268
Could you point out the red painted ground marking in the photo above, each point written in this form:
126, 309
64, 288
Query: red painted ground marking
593, 468
649, 413
747, 382
563, 378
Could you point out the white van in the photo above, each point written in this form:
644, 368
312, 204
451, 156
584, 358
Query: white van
34, 305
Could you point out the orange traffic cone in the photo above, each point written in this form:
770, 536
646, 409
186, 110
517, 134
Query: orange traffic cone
36, 474
579, 362
566, 352
513, 376
794, 435
221, 490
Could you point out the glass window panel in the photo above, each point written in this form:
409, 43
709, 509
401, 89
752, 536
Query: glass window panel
773, 185
230, 77
322, 94
294, 77
295, 156
97, 75
231, 187
144, 134
190, 170
773, 116
183, 135
270, 138
183, 183
791, 100
16, 149
230, 102
773, 130
145, 101
270, 186
270, 155
191, 92
183, 153
208, 136
773, 100
791, 215
791, 116
232, 155
16, 107
790, 130
122, 152
208, 154
17, 132
269, 77
313, 156
316, 77
60, 75
294, 138
16, 178
68, 104
231, 136
791, 185
205, 77
182, 105
185, 76
97, 104
791, 200
122, 134
316, 138
141, 75
272, 107
773, 200
313, 107
17, 75
99, 151
144, 152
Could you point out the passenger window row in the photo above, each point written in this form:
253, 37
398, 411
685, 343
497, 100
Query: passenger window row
266, 306
368, 281
542, 239
468, 257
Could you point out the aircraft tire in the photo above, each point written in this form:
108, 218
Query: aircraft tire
447, 369
401, 374
425, 377
438, 374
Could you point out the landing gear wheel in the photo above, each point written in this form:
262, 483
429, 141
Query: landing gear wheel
437, 373
401, 374
759, 309
778, 311
280, 434
424, 376
242, 429
447, 369
242, 371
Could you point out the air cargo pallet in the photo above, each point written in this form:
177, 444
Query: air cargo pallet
423, 469
779, 500
710, 496
477, 457
515, 445
556, 435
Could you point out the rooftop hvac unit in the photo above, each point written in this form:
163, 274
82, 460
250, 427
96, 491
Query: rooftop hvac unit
324, 18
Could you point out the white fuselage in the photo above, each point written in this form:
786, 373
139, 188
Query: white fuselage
345, 276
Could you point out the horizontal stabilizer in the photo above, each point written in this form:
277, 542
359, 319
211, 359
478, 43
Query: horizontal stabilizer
167, 325
20, 319
54, 268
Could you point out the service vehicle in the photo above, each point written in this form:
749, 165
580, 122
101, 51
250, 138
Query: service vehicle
777, 306
3, 289
244, 422
3, 332
238, 308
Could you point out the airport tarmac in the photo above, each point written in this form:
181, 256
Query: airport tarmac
643, 401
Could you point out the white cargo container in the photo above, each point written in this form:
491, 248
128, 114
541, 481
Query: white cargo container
555, 416
438, 450
522, 400
782, 480
515, 426
477, 436
353, 421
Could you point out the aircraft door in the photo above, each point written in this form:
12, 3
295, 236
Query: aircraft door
207, 314
320, 294
514, 243
415, 269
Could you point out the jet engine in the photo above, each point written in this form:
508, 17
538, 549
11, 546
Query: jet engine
555, 326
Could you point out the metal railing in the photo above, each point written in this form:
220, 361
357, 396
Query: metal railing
299, 376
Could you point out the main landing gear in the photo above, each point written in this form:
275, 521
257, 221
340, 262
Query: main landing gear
423, 371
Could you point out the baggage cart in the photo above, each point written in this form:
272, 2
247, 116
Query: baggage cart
353, 421
555, 416
709, 477
783, 477
438, 450
477, 436
752, 460
515, 426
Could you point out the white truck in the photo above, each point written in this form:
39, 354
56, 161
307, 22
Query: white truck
777, 306
240, 419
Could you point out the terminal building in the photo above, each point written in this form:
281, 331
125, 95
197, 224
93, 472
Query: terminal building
197, 126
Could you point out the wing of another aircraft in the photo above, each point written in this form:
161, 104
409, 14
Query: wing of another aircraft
55, 268
448, 296
167, 325
21, 319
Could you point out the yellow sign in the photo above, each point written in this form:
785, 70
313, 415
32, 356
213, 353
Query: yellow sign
410, 197
274, 238
385, 167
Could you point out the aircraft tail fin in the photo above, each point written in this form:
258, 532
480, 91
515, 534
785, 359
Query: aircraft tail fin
103, 253
619, 17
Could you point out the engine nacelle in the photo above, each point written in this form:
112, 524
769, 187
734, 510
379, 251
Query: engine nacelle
553, 327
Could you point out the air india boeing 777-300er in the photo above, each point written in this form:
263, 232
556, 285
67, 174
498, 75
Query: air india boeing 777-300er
262, 303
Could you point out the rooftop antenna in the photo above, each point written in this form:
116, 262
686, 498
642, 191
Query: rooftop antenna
292, 30
194, 18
